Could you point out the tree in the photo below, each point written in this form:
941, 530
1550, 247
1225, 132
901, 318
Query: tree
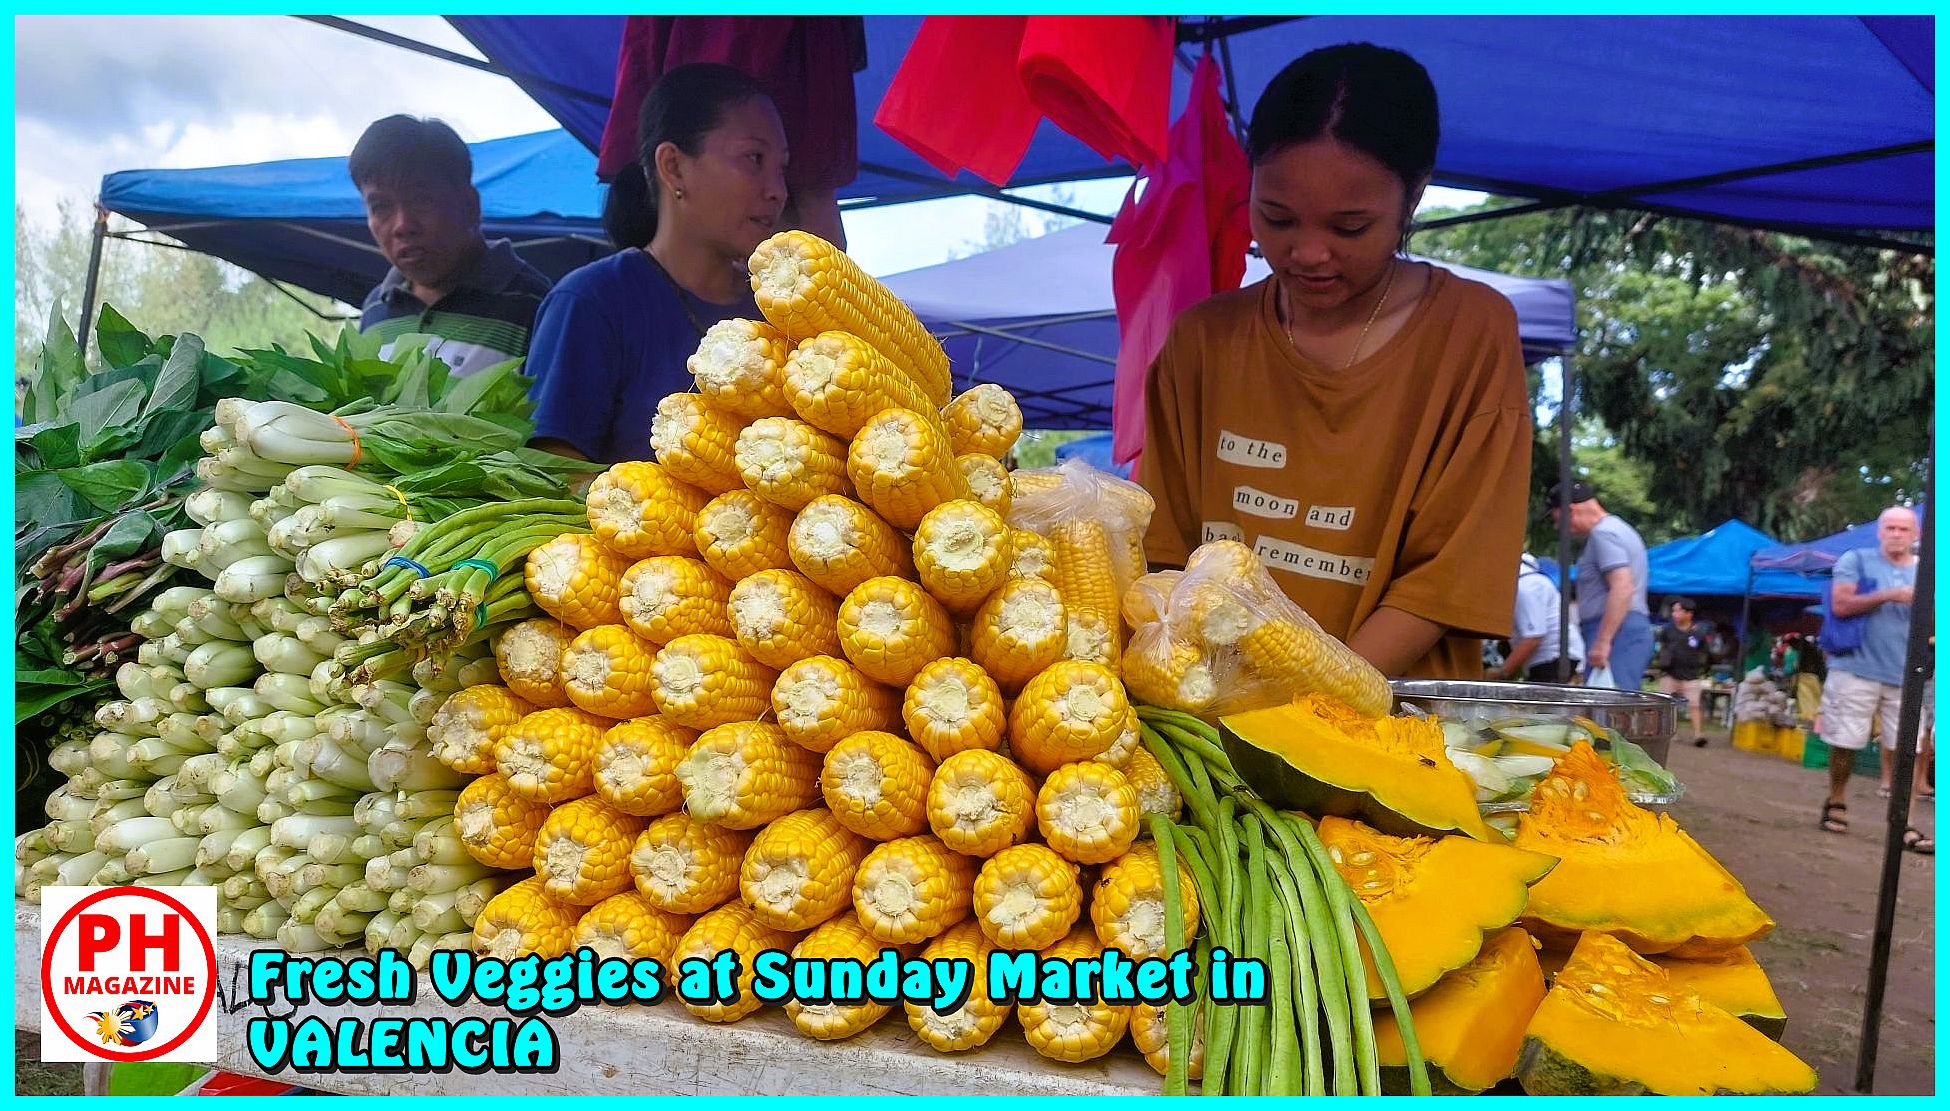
1776, 379
1004, 223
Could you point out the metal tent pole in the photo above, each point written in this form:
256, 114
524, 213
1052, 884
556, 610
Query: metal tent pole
1740, 641
1916, 672
84, 327
1566, 377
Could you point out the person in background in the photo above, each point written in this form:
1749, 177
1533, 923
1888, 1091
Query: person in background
1611, 588
1534, 633
613, 338
1865, 684
475, 295
1682, 648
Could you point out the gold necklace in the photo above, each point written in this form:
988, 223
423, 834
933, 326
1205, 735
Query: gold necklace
1373, 316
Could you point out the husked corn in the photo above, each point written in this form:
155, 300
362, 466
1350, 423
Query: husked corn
684, 866
524, 919
840, 939
988, 481
984, 420
912, 889
835, 381
799, 870
1074, 1032
789, 462
1303, 661
782, 617
636, 765
1170, 673
529, 656
740, 367
467, 727
978, 1018
497, 826
822, 700
1085, 568
953, 706
701, 681
1019, 631
1149, 1034
1087, 812
980, 803
876, 785
550, 755
1149, 597
1156, 792
746, 774
575, 579
628, 927
1127, 905
582, 853
1071, 711
1031, 556
839, 544
740, 534
961, 554
736, 928
697, 442
606, 671
665, 597
1127, 744
1027, 897
638, 510
902, 466
890, 628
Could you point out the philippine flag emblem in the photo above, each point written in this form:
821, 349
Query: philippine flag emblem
130, 1024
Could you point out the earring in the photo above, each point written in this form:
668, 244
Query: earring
680, 194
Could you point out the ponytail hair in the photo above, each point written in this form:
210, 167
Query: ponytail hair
685, 105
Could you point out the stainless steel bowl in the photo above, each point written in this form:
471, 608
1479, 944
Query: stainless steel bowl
1646, 718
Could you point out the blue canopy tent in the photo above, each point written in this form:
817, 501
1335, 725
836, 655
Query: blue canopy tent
301, 221
1712, 563
1038, 316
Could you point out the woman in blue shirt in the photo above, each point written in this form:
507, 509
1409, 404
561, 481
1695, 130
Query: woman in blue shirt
612, 338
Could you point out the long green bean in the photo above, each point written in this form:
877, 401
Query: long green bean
1219, 1020
1283, 1059
1257, 904
1329, 955
1178, 1031
1306, 1005
1339, 898
1418, 1068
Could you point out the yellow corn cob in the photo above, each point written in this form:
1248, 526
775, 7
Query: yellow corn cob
980, 803
977, 1019
1020, 631
890, 628
746, 774
636, 766
1127, 744
684, 866
1224, 561
789, 462
468, 725
1149, 597
1156, 792
912, 889
734, 927
1170, 673
695, 441
902, 466
984, 420
1302, 661
582, 853
1087, 812
961, 554
1074, 1032
835, 381
1027, 897
782, 617
1215, 612
701, 681
638, 510
1084, 566
575, 579
740, 367
841, 939
741, 534
799, 870
839, 544
988, 481
550, 755
1127, 905
876, 785
627, 927
529, 656
665, 597
1071, 711
1148, 1033
524, 919
1031, 557
607, 671
1093, 638
822, 700
497, 826
805, 286
953, 706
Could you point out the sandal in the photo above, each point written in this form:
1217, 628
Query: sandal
1834, 817
1882, 792
1916, 841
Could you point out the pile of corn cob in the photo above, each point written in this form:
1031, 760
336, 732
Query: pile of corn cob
802, 687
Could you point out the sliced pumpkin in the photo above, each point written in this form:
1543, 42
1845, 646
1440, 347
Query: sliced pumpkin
1432, 899
1471, 1023
1317, 755
1627, 871
1734, 982
1614, 1023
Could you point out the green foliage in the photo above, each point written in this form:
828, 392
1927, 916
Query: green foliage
1744, 374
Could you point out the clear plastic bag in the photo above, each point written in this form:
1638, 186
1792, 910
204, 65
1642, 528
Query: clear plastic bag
1095, 524
1221, 637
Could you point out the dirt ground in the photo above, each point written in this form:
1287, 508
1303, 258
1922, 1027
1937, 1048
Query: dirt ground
1758, 814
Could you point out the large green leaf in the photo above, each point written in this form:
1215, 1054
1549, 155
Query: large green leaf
58, 447
42, 498
110, 484
109, 408
132, 532
60, 368
119, 342
29, 701
177, 382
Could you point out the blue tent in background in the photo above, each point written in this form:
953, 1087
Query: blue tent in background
1803, 566
1093, 449
1714, 562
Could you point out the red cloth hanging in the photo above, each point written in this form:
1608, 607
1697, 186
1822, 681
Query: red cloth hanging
806, 64
1182, 240
971, 90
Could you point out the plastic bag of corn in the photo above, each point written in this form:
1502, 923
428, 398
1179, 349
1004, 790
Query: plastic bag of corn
1095, 524
1221, 637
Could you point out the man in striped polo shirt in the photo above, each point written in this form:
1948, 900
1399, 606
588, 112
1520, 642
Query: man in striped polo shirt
475, 295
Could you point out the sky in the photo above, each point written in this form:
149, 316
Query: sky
94, 95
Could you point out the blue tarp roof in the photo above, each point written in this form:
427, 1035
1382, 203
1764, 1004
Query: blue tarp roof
1714, 562
1093, 449
1794, 121
301, 221
1806, 564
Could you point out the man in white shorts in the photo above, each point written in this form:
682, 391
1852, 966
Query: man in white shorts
1865, 684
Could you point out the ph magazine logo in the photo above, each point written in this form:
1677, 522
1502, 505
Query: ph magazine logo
128, 974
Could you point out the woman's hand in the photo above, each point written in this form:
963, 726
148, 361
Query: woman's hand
1394, 640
